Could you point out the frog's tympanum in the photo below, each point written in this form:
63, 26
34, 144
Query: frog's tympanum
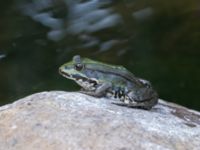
115, 82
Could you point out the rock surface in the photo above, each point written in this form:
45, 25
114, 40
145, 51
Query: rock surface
68, 120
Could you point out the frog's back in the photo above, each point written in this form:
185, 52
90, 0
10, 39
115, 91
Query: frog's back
111, 69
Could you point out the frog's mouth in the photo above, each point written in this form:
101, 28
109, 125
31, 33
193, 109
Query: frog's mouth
72, 76
64, 74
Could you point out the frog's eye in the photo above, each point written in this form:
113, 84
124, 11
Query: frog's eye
79, 66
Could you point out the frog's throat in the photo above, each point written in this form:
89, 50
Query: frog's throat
82, 79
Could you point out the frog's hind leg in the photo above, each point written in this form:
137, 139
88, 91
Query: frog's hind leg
143, 102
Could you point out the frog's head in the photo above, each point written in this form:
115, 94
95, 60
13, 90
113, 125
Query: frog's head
76, 70
73, 69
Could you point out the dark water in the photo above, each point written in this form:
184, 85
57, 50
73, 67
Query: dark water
156, 40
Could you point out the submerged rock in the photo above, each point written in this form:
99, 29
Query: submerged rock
60, 121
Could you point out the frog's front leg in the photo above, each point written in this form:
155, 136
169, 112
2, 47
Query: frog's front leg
100, 90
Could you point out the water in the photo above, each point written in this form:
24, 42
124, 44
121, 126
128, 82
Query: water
158, 41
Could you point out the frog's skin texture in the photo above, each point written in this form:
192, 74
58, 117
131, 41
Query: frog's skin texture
116, 82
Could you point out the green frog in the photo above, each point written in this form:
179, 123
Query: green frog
115, 82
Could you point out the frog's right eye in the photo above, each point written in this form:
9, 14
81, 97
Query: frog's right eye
78, 66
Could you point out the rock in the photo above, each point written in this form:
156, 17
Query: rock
60, 121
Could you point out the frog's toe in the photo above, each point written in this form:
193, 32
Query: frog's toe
119, 103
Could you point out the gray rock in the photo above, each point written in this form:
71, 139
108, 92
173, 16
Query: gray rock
73, 121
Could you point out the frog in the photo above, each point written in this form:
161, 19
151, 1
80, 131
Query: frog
114, 82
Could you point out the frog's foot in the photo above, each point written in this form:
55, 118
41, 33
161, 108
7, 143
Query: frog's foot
92, 93
133, 105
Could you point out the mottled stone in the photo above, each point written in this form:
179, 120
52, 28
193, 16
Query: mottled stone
62, 120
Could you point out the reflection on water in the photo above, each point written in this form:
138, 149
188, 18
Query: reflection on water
155, 40
81, 17
143, 14
2, 56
